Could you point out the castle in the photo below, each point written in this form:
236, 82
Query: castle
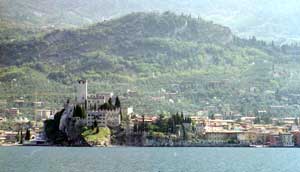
93, 104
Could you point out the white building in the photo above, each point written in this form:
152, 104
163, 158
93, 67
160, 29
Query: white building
94, 101
104, 118
287, 140
43, 114
127, 111
14, 111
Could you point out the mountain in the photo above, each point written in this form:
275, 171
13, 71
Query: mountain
271, 20
173, 62
117, 37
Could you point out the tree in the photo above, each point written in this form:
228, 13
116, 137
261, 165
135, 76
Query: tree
135, 128
296, 121
18, 136
79, 112
118, 102
184, 132
257, 120
27, 134
95, 124
97, 130
143, 123
21, 137
106, 106
177, 118
212, 116
110, 102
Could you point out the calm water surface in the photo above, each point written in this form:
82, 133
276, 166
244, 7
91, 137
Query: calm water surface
52, 159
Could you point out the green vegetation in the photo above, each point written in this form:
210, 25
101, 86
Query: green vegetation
97, 136
107, 106
79, 112
166, 126
266, 19
27, 134
173, 62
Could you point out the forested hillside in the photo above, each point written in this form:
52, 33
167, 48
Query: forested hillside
272, 20
173, 62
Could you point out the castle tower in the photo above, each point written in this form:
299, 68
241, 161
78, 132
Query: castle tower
81, 89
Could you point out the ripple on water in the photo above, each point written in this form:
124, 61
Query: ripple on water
122, 159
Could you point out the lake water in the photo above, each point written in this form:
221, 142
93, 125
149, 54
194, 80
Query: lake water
121, 159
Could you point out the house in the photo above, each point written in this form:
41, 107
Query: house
218, 117
202, 113
21, 119
200, 128
158, 98
127, 111
131, 93
171, 95
262, 138
222, 137
2, 139
19, 102
274, 140
38, 104
8, 137
94, 101
14, 111
296, 135
232, 116
43, 114
217, 124
3, 119
104, 118
268, 128
287, 139
261, 112
278, 109
247, 137
147, 119
282, 139
248, 120
288, 121
217, 84
253, 89
139, 122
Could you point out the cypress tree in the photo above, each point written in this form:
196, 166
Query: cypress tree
18, 136
27, 134
110, 101
79, 112
182, 117
95, 124
296, 121
97, 130
177, 118
143, 123
21, 137
118, 102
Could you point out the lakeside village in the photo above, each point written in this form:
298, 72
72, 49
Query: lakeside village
101, 120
